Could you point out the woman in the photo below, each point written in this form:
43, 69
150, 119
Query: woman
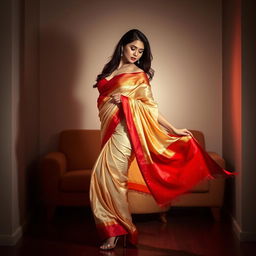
170, 160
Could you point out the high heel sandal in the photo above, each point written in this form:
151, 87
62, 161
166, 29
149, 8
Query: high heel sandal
108, 246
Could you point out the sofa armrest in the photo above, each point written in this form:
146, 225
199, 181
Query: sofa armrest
217, 158
52, 168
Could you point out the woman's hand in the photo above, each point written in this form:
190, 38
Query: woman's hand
184, 132
170, 128
116, 98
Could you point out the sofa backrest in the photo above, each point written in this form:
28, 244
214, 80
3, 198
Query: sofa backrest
81, 147
199, 137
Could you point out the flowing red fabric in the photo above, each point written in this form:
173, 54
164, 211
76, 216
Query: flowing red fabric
170, 164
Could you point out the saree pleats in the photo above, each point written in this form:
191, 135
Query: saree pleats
108, 192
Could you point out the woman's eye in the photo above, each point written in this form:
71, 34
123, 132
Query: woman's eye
133, 49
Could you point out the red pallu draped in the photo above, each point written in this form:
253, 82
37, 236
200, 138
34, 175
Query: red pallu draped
170, 164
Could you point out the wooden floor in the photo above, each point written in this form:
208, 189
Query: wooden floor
189, 232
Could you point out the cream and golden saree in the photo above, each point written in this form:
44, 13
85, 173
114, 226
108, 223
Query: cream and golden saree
169, 164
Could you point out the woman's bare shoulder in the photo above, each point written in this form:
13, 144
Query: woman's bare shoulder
134, 68
131, 68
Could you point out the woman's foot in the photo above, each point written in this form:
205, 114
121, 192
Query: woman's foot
109, 243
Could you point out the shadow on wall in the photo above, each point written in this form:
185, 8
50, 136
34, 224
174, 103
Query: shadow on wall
60, 61
46, 105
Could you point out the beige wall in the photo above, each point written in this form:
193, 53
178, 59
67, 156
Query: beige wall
78, 37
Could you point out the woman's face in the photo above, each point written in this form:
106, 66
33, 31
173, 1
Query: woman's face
133, 51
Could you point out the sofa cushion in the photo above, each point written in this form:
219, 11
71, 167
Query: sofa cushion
76, 181
199, 136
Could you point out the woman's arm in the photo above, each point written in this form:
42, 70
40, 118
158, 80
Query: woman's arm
170, 128
116, 99
162, 121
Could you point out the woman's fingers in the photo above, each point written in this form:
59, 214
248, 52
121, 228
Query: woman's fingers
187, 132
116, 98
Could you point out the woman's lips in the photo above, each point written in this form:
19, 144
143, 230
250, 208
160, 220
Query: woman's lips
132, 58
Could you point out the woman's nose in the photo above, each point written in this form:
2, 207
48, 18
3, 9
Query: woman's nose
135, 53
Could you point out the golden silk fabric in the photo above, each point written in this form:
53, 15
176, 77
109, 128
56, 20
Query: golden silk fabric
108, 191
169, 164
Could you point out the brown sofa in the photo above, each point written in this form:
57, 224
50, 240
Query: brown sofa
65, 177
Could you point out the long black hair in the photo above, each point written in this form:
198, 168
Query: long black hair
144, 61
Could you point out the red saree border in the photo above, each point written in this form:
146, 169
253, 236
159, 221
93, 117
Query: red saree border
211, 162
106, 231
138, 187
112, 126
142, 162
165, 188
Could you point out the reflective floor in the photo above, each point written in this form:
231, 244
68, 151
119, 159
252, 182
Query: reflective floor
188, 232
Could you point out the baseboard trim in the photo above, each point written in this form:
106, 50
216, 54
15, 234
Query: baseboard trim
11, 240
242, 235
236, 227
